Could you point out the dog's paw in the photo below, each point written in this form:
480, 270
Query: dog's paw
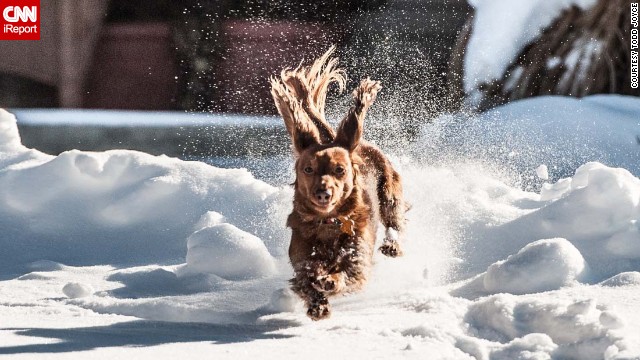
391, 249
319, 310
332, 283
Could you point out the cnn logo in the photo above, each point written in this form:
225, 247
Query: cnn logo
14, 14
20, 20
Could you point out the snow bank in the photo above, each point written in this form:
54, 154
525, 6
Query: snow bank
76, 290
623, 279
228, 252
221, 249
500, 30
187, 242
9, 137
119, 206
597, 212
557, 328
560, 132
11, 149
603, 201
540, 266
590, 222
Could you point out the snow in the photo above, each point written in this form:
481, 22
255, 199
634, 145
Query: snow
117, 206
623, 279
568, 330
76, 290
120, 253
123, 118
542, 265
559, 132
543, 172
500, 30
228, 252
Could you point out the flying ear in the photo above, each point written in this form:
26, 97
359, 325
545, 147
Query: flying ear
300, 128
350, 130
305, 133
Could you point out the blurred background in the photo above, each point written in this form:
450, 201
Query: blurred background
215, 58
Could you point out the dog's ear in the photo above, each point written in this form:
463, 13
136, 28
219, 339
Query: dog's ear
350, 129
300, 128
305, 133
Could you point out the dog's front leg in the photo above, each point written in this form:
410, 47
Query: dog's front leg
305, 284
329, 283
318, 307
353, 262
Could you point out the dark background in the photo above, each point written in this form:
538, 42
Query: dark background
216, 56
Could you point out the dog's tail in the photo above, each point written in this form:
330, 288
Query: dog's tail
310, 86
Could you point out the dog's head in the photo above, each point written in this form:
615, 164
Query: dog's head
327, 161
326, 174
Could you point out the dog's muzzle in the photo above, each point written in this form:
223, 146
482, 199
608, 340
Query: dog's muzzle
323, 196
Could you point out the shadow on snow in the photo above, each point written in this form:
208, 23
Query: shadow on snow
139, 333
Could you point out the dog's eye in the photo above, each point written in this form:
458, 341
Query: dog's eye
308, 170
339, 170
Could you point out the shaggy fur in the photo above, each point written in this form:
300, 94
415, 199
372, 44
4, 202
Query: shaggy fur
334, 216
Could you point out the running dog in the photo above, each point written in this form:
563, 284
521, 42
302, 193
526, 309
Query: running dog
344, 187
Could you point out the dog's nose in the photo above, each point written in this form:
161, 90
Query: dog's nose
323, 196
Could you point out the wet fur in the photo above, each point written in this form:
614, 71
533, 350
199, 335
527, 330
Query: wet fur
326, 260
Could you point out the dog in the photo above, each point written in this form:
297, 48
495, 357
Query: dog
335, 210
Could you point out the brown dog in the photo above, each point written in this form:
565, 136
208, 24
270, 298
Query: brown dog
334, 219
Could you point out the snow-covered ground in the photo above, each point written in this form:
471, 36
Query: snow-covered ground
120, 253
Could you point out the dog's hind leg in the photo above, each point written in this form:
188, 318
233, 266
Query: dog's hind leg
390, 199
388, 182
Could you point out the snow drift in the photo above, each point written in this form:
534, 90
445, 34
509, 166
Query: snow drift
491, 271
558, 132
540, 266
117, 206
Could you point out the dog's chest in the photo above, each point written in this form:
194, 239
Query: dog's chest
333, 251
327, 232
